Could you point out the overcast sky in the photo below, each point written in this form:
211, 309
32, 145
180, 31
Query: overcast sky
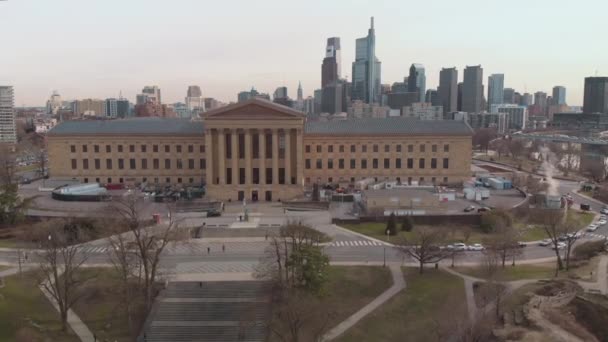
96, 48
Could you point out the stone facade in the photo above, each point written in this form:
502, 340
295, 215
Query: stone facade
255, 150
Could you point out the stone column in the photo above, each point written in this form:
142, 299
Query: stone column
288, 156
262, 155
221, 156
208, 158
275, 156
248, 151
235, 156
299, 158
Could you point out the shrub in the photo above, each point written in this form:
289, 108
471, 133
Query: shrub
391, 225
589, 249
407, 224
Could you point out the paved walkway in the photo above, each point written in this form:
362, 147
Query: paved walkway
398, 285
468, 291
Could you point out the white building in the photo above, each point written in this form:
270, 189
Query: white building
517, 116
423, 111
194, 100
8, 128
54, 103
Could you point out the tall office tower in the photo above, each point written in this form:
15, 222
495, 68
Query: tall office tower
54, 103
472, 89
596, 95
448, 89
559, 95
366, 69
540, 100
496, 85
117, 108
280, 93
300, 92
318, 96
527, 99
432, 97
508, 96
152, 94
330, 69
459, 103
194, 99
416, 82
8, 128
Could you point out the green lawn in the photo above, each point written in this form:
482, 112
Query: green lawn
528, 232
27, 315
425, 311
348, 290
101, 306
510, 273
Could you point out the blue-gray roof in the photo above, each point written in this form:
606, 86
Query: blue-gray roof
133, 126
388, 126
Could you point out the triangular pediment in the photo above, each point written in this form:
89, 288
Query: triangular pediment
254, 109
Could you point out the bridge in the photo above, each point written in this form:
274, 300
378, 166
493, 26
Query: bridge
561, 138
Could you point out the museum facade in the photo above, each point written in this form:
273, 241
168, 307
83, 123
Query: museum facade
259, 150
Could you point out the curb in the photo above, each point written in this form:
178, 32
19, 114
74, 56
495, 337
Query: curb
364, 236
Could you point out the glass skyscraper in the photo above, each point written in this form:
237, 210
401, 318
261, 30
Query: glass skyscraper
366, 69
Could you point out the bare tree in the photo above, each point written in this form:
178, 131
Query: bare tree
425, 246
148, 242
571, 159
41, 161
516, 148
551, 220
61, 261
503, 241
482, 138
596, 170
8, 166
569, 231
493, 289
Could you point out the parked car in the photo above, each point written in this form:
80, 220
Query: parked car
469, 208
585, 207
459, 246
602, 222
592, 227
476, 247
604, 211
483, 209
560, 245
213, 213
521, 244
545, 242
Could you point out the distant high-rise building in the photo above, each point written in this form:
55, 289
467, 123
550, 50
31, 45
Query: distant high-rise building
596, 95
540, 100
559, 95
527, 99
448, 89
508, 96
246, 95
399, 87
152, 94
211, 103
432, 97
8, 128
117, 108
194, 100
330, 69
416, 82
496, 84
89, 107
333, 98
54, 104
460, 96
472, 89
300, 92
318, 100
280, 93
366, 69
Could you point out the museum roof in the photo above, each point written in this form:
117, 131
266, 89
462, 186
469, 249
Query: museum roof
132, 126
388, 126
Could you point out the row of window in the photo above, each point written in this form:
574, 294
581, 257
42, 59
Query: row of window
410, 180
140, 164
142, 148
376, 148
375, 163
256, 179
144, 180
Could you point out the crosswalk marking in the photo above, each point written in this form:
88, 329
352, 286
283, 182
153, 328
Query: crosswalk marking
357, 243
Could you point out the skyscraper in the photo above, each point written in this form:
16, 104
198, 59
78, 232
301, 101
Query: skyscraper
472, 89
416, 82
300, 93
540, 100
559, 95
496, 84
508, 96
366, 69
448, 89
152, 93
194, 99
8, 128
596, 95
330, 69
117, 108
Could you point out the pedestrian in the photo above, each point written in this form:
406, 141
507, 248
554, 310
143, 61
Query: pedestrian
208, 250
223, 248
266, 236
200, 284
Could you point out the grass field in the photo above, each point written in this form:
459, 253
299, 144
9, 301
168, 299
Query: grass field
348, 290
27, 315
424, 311
454, 234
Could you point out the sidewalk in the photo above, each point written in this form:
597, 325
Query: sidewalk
398, 285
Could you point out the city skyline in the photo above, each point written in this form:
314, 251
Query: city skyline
109, 59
